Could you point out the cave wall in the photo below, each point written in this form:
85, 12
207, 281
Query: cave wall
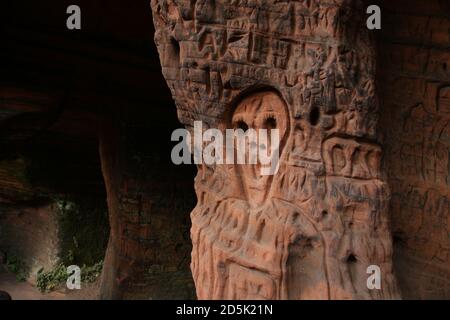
29, 239
52, 197
37, 236
149, 201
414, 83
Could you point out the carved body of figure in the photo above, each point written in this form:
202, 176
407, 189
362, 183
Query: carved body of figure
254, 253
248, 248
293, 235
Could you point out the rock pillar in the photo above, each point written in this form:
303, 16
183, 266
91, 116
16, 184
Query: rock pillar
307, 68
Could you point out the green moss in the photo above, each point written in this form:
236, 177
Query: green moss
48, 281
91, 273
83, 230
83, 235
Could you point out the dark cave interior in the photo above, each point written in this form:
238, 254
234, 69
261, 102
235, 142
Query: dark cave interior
58, 90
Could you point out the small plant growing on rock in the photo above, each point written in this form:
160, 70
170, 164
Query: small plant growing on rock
49, 281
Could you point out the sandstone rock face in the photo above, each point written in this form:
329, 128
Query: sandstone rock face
31, 235
148, 202
306, 68
415, 87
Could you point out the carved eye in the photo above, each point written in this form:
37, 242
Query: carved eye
241, 125
270, 123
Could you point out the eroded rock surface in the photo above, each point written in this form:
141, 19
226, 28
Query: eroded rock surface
415, 87
312, 229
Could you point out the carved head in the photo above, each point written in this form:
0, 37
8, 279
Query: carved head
261, 110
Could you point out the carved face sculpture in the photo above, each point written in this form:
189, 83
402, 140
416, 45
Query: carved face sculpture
262, 110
